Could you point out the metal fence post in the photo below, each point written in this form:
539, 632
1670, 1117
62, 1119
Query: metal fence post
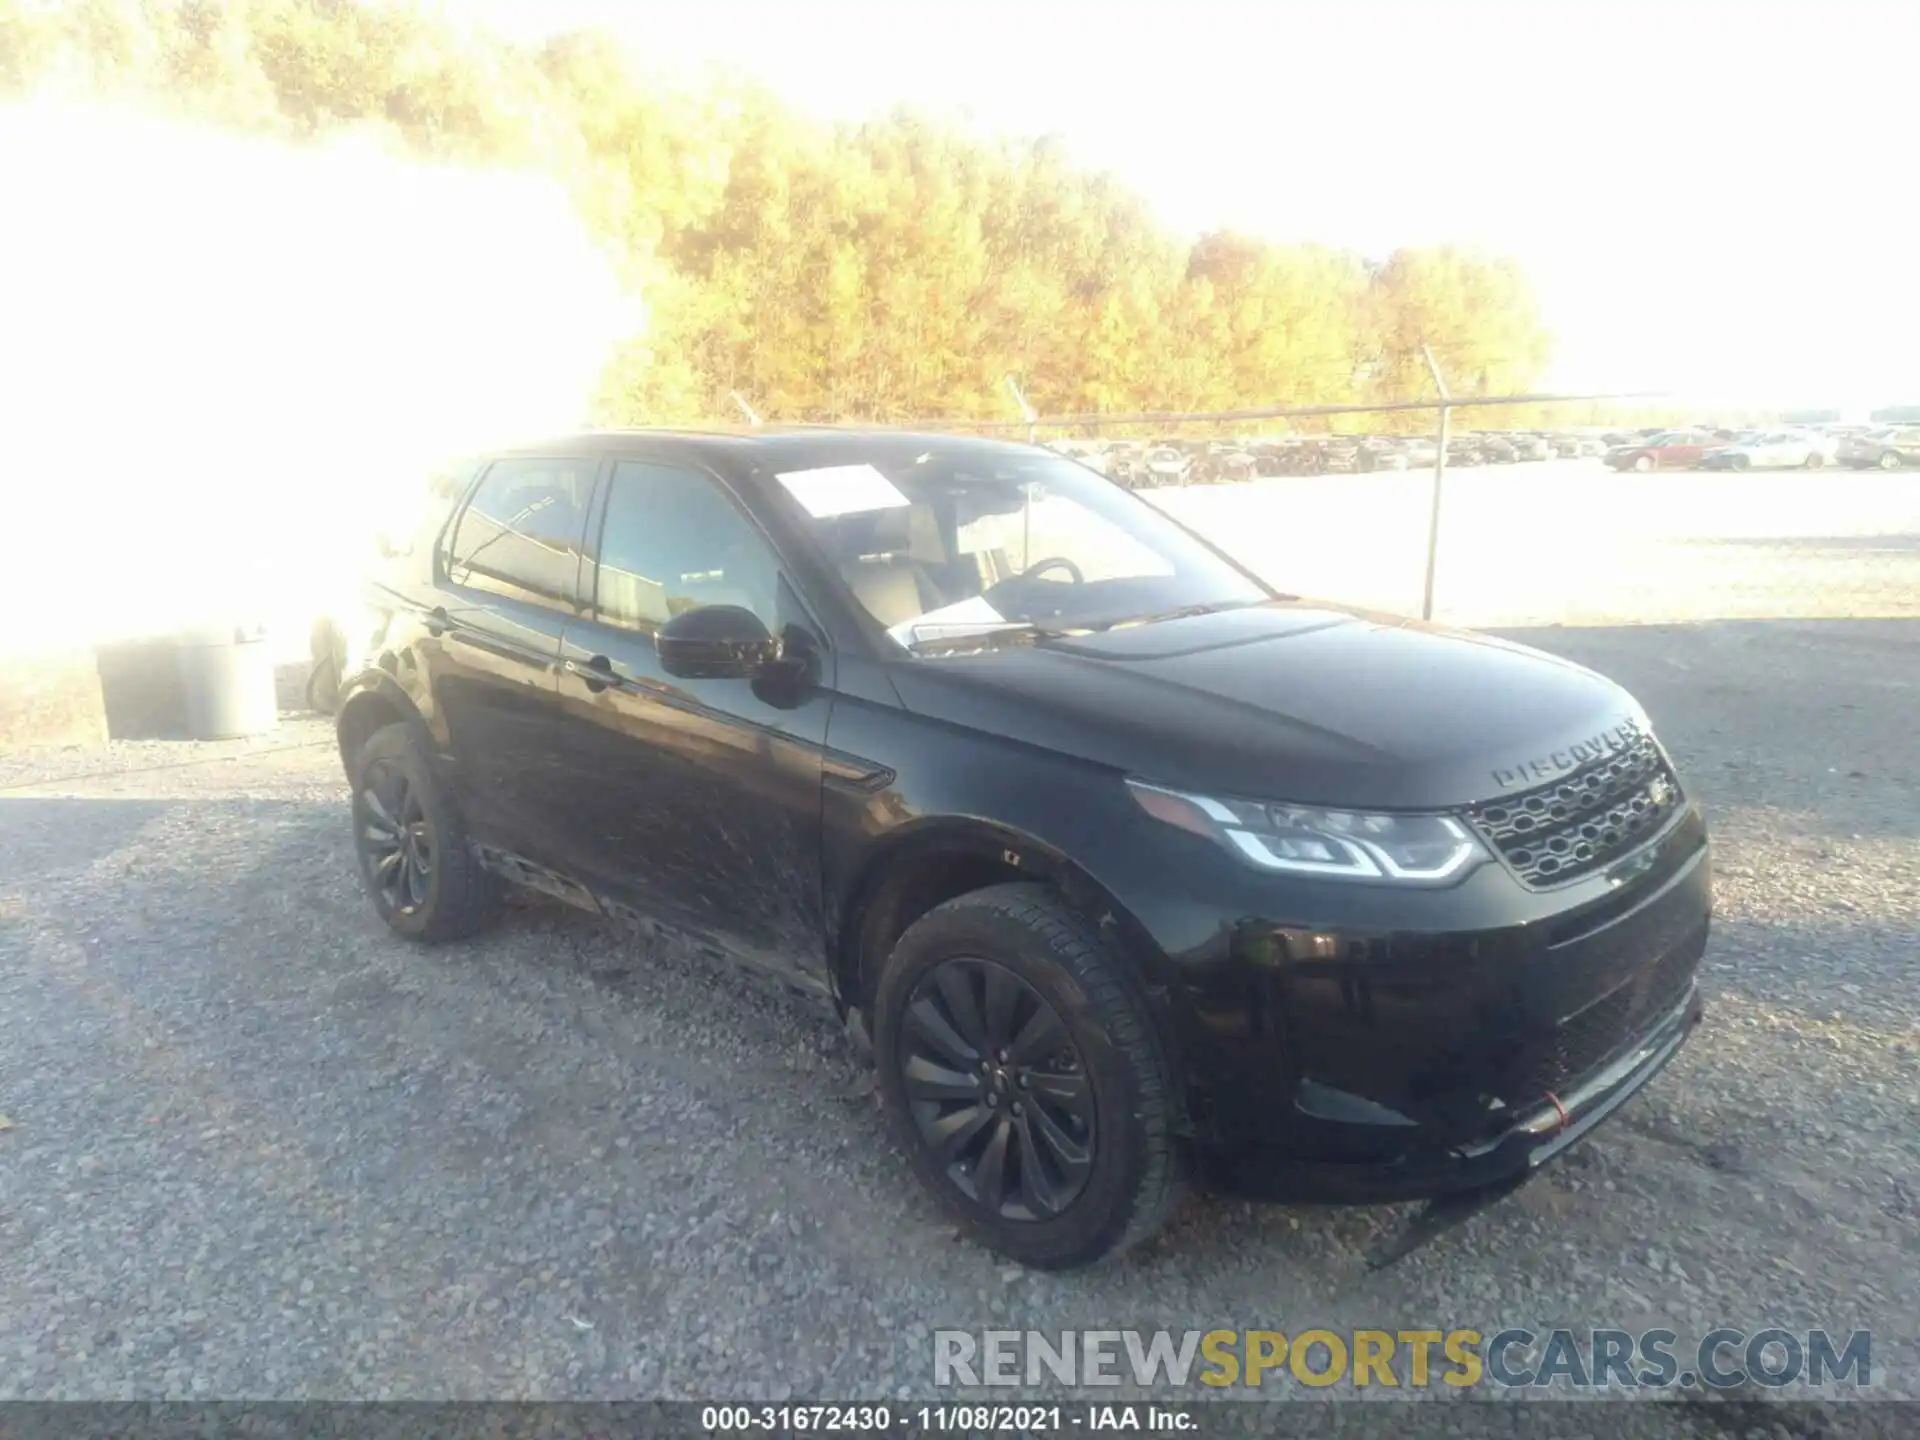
1026, 410
1439, 479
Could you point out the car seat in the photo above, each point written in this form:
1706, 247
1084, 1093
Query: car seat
878, 564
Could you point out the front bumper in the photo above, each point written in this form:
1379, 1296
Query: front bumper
1384, 1045
1532, 1140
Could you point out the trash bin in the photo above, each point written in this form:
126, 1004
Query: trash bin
140, 688
227, 681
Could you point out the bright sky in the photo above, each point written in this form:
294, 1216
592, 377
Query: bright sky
1715, 199
210, 299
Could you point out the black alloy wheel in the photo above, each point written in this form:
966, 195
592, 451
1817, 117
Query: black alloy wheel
997, 1089
1022, 1069
396, 838
424, 878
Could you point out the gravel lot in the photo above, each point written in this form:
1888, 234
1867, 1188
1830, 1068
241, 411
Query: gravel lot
257, 1148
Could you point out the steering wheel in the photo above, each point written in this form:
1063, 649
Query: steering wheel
1054, 562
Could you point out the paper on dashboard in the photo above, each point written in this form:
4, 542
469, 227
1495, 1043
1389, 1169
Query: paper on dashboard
962, 616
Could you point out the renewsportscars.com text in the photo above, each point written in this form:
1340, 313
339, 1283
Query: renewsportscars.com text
1721, 1359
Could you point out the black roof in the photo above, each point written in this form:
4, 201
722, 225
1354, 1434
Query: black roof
778, 448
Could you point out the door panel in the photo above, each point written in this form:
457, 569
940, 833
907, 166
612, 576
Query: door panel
695, 801
505, 586
494, 670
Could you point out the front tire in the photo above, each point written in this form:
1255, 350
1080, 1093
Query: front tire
1022, 1071
1643, 463
419, 870
1814, 461
1889, 460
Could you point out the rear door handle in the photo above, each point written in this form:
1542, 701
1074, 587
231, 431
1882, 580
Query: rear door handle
597, 673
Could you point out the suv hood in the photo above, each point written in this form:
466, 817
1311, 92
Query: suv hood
1290, 701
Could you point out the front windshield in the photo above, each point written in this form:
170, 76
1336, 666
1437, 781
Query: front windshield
956, 545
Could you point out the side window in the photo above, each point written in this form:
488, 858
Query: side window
520, 534
673, 542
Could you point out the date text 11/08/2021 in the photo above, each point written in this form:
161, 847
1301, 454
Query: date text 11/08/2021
956, 1418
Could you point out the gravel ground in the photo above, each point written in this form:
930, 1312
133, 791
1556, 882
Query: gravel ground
258, 1148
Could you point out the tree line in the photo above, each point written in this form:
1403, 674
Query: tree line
890, 270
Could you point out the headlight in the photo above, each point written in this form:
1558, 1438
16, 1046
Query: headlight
1338, 844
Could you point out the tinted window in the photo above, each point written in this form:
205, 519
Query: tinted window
520, 534
674, 542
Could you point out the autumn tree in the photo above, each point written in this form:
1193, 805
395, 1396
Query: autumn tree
890, 270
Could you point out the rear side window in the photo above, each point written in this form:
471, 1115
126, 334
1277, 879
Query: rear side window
520, 533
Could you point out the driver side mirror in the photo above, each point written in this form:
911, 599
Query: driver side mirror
716, 642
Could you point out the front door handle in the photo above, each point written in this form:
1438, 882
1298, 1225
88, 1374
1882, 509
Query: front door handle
596, 672
437, 621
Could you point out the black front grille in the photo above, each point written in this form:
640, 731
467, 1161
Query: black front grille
1574, 826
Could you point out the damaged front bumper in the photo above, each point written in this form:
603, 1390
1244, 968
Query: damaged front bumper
1493, 1165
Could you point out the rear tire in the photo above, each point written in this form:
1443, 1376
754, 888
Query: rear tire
1057, 1146
415, 860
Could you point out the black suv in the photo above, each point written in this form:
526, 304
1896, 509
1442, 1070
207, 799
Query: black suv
1119, 862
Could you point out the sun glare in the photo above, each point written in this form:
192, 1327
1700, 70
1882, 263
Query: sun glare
226, 363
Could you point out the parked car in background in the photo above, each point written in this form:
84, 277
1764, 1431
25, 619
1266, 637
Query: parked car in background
1845, 432
1887, 448
1309, 457
1666, 450
1339, 454
1565, 447
1123, 462
1166, 465
1464, 450
1233, 466
1772, 450
1292, 456
1496, 449
1421, 451
1530, 447
1380, 453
